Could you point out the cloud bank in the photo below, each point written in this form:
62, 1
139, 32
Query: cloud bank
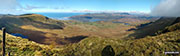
9, 7
9, 4
169, 8
14, 7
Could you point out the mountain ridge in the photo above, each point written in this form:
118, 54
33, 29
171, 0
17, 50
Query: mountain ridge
154, 27
155, 44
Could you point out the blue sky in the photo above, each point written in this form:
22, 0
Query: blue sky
85, 5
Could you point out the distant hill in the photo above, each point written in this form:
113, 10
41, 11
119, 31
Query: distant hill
115, 17
88, 38
45, 30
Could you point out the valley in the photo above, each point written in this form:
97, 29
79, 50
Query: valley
89, 28
48, 31
49, 37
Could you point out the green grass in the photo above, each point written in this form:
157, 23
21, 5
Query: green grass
18, 46
93, 44
151, 45
153, 28
98, 24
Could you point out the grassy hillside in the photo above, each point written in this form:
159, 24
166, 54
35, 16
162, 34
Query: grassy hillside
18, 46
148, 46
102, 29
44, 30
93, 46
88, 38
31, 25
154, 27
174, 26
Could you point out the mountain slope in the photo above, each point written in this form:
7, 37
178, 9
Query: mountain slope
146, 46
48, 31
153, 28
93, 45
44, 30
151, 45
31, 25
174, 26
18, 46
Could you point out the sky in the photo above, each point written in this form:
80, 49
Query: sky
25, 6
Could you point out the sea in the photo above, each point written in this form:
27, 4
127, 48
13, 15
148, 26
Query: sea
60, 16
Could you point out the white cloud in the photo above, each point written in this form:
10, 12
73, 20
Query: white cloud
9, 7
48, 10
30, 7
14, 7
9, 4
169, 8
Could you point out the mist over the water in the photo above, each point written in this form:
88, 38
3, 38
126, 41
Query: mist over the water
168, 8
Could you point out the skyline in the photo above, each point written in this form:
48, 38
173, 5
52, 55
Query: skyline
28, 6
